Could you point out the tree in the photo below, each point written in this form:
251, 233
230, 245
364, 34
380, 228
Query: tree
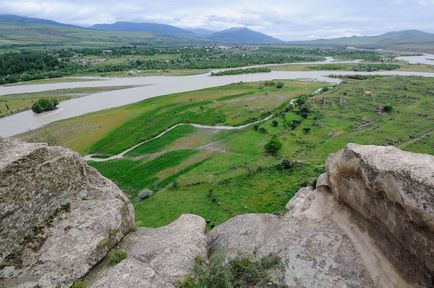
304, 111
274, 123
273, 146
44, 104
306, 130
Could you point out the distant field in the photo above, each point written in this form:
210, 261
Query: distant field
221, 174
352, 67
14, 103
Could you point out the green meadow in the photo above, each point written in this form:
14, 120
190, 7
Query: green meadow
219, 174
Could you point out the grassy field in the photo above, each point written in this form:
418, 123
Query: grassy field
112, 131
219, 174
14, 103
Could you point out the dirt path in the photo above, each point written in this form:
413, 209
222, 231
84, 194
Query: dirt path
200, 126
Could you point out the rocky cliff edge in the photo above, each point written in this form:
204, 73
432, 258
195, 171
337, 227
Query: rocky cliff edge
369, 222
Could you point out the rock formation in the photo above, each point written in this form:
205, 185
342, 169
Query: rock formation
166, 254
369, 222
58, 217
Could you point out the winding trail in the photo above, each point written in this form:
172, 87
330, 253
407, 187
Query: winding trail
200, 126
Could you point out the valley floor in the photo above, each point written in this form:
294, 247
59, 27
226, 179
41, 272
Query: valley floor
221, 173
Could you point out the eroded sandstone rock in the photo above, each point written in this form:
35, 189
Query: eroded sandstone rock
164, 255
393, 191
381, 237
58, 217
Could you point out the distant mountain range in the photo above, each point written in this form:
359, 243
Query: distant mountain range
385, 41
239, 35
244, 36
24, 31
155, 28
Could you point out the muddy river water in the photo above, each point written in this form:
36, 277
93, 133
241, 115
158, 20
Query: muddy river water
148, 87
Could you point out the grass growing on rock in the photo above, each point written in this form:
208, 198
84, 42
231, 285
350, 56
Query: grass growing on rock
241, 271
117, 255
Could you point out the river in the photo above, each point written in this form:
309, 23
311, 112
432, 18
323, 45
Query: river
427, 59
149, 87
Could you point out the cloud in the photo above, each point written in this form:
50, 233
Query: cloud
286, 19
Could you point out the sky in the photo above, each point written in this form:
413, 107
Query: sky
284, 19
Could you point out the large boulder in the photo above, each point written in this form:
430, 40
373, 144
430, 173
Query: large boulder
58, 216
158, 257
375, 228
393, 192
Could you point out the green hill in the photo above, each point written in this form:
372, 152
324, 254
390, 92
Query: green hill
411, 40
16, 31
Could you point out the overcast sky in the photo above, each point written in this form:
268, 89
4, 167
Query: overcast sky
285, 19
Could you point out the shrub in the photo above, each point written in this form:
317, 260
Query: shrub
289, 165
387, 108
279, 85
256, 127
273, 146
44, 104
304, 111
262, 130
274, 123
78, 284
239, 272
144, 194
294, 124
117, 255
306, 130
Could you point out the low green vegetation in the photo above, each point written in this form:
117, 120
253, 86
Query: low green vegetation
139, 59
44, 104
369, 67
117, 255
241, 71
236, 273
78, 284
219, 174
158, 144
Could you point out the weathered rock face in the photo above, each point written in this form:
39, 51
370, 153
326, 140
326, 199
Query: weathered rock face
369, 222
393, 191
58, 217
381, 237
158, 257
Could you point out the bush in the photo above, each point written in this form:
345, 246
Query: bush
44, 104
306, 130
78, 284
387, 108
274, 123
117, 255
239, 272
262, 130
279, 85
144, 194
273, 146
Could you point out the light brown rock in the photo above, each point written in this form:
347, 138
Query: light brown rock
59, 217
131, 273
164, 255
393, 193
